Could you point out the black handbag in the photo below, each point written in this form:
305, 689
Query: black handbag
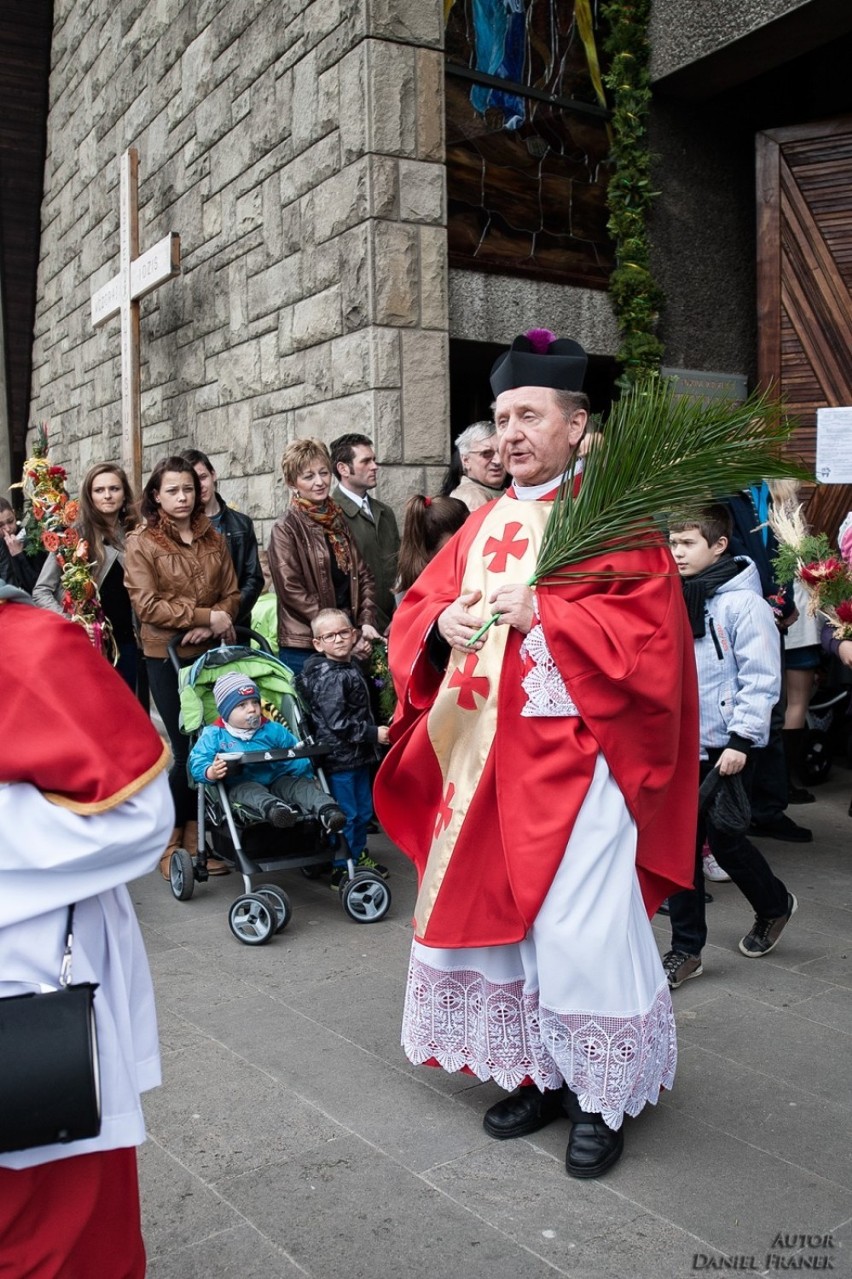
726, 802
49, 1075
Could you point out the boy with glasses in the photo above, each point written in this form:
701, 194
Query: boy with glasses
337, 699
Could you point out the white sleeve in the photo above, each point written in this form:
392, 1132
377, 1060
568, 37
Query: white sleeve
51, 856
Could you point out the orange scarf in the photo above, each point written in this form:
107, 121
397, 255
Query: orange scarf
330, 519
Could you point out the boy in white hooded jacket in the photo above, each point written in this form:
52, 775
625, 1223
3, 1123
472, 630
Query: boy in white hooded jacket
738, 657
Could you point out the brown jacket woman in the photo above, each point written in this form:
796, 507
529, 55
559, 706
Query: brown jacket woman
174, 586
181, 582
300, 565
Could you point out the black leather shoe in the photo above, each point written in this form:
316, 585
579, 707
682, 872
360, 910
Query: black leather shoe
784, 828
592, 1148
523, 1111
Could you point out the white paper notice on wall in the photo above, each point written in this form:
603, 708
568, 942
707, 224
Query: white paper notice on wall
834, 446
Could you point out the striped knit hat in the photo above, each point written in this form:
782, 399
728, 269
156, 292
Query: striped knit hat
230, 690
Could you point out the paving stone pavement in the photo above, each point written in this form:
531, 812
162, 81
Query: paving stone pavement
291, 1136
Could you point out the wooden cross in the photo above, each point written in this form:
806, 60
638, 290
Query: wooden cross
138, 275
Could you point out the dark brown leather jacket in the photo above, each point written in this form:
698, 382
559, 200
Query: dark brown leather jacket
174, 587
300, 564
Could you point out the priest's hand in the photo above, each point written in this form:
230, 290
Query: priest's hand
456, 624
514, 607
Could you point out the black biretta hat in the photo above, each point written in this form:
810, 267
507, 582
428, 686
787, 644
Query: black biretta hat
539, 358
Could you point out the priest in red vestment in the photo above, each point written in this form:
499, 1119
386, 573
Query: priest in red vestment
543, 779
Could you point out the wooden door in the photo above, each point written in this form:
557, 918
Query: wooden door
804, 276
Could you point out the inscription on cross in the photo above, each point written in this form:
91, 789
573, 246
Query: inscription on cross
138, 275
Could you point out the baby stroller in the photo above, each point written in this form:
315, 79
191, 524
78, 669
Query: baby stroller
246, 843
827, 722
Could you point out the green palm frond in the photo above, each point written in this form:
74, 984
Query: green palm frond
662, 454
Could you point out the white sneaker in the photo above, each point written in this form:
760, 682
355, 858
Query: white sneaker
712, 869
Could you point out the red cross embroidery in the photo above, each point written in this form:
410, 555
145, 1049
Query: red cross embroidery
468, 684
505, 547
445, 813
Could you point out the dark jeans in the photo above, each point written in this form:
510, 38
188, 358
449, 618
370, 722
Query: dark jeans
163, 683
769, 788
769, 795
745, 864
351, 789
295, 658
127, 663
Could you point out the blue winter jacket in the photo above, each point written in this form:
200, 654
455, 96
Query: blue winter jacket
739, 664
216, 739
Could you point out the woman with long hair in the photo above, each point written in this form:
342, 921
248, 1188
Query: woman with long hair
313, 559
429, 524
181, 582
107, 515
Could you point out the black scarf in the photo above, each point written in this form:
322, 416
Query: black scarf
699, 589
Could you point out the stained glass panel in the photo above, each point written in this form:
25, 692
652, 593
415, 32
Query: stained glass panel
527, 141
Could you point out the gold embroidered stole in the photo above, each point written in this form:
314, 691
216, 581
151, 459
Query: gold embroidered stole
462, 724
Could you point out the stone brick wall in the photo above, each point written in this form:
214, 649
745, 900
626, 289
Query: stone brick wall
297, 148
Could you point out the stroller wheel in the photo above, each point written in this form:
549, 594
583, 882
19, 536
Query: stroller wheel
366, 897
252, 919
280, 903
181, 878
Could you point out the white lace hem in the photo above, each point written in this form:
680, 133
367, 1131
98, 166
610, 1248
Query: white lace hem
547, 696
614, 1064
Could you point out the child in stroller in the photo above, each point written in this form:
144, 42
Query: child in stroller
272, 790
241, 811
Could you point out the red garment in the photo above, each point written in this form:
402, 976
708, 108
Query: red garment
75, 1218
625, 652
116, 750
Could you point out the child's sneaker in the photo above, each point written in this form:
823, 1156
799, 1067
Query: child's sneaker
281, 815
332, 818
679, 967
365, 862
339, 876
712, 869
766, 933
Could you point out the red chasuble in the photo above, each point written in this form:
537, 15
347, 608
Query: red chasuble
71, 725
484, 798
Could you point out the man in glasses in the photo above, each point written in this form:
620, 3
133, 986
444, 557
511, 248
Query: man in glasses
484, 473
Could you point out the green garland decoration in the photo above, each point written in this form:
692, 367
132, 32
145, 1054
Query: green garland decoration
636, 296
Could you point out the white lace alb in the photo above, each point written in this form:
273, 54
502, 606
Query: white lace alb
615, 1065
545, 688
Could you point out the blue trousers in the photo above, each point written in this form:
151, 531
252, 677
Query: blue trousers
352, 791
